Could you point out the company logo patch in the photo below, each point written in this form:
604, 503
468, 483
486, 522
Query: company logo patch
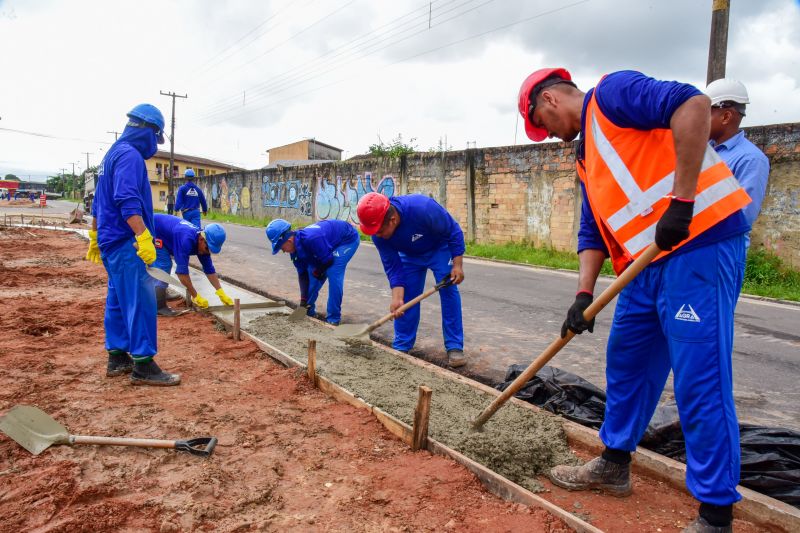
687, 314
159, 243
191, 192
416, 237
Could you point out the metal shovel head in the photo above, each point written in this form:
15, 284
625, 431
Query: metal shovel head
163, 277
298, 314
33, 429
352, 331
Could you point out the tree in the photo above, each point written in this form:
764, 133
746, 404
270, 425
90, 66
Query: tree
55, 184
397, 148
11, 177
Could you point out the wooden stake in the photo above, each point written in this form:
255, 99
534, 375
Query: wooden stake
188, 299
419, 440
237, 313
312, 361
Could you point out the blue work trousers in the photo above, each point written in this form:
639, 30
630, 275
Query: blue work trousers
415, 270
130, 316
678, 315
335, 275
192, 215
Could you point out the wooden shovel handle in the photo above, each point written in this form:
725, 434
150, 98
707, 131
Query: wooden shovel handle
411, 303
120, 441
597, 305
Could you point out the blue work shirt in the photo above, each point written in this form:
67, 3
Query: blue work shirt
425, 226
751, 168
190, 197
179, 238
314, 244
629, 99
123, 189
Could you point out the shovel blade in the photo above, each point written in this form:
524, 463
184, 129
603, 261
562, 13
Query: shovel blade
351, 331
298, 314
32, 428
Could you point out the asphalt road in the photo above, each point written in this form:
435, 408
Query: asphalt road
512, 312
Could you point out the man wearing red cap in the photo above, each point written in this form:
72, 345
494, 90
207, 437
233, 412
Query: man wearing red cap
414, 234
647, 174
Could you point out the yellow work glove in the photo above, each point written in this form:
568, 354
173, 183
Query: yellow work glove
227, 300
93, 254
199, 301
146, 250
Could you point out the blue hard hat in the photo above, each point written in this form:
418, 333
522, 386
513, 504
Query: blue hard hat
215, 236
149, 114
189, 173
277, 232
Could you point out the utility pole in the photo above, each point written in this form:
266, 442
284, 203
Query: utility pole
718, 45
63, 183
86, 174
171, 185
115, 133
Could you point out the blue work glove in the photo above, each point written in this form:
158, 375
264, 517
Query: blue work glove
575, 321
673, 227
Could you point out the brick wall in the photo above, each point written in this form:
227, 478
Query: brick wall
524, 193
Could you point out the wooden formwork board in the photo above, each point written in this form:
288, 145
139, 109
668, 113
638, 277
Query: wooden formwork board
754, 507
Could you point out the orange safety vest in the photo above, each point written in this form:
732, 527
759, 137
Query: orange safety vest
628, 176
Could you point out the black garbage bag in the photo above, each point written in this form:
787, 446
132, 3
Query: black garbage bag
562, 393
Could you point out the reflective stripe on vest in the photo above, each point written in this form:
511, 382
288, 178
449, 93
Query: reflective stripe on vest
630, 206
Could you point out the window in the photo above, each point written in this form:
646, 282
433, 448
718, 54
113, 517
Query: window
201, 172
158, 169
162, 195
175, 171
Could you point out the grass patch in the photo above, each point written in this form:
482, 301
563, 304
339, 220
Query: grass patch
238, 219
530, 255
765, 273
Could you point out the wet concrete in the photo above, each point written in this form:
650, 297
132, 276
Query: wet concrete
517, 443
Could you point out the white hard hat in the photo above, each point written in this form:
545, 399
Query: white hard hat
727, 90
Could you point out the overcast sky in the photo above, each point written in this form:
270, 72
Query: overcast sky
261, 74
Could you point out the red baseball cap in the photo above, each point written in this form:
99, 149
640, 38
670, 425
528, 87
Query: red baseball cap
534, 133
371, 210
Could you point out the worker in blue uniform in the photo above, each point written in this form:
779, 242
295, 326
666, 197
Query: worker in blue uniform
190, 199
677, 314
179, 239
414, 234
122, 237
729, 101
319, 252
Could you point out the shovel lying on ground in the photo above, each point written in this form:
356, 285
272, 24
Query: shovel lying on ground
35, 430
597, 305
360, 332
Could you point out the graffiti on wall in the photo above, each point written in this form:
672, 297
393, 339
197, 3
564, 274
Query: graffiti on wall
229, 198
338, 201
292, 194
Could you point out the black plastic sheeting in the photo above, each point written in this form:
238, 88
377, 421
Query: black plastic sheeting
770, 456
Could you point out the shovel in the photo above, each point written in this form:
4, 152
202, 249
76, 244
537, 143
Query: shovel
605, 297
162, 276
35, 430
362, 331
298, 314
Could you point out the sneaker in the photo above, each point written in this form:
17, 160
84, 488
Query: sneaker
119, 363
700, 525
455, 358
149, 373
598, 473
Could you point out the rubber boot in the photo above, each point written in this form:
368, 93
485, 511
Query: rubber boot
455, 358
700, 525
598, 473
119, 363
148, 373
161, 303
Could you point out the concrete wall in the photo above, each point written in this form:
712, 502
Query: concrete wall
524, 193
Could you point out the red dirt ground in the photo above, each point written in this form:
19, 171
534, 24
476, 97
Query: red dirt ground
288, 458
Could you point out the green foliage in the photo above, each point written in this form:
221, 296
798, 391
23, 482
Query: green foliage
397, 148
528, 254
766, 275
55, 184
11, 177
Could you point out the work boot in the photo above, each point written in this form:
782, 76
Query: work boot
700, 525
455, 358
598, 473
173, 295
119, 362
148, 373
161, 303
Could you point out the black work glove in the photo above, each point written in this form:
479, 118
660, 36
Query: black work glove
674, 224
575, 321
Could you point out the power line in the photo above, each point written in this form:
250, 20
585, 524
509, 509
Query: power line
305, 77
49, 136
459, 41
285, 77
